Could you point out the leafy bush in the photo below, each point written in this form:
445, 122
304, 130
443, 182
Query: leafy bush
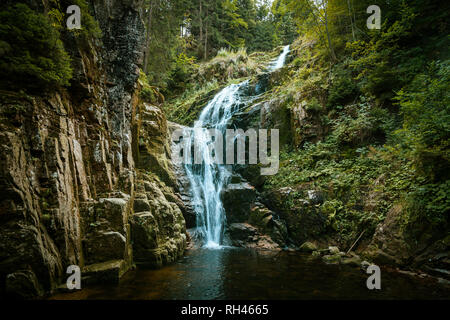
425, 106
149, 93
377, 61
32, 54
183, 69
359, 125
89, 26
343, 89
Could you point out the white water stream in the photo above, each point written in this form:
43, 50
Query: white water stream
208, 179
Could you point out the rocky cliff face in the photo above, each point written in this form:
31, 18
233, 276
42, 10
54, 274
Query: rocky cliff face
74, 191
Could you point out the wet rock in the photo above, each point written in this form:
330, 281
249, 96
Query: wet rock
144, 230
115, 211
108, 272
268, 223
22, 284
333, 250
308, 247
365, 265
305, 220
242, 231
68, 161
309, 122
159, 234
103, 246
332, 259
183, 184
155, 144
237, 201
352, 261
247, 236
275, 115
235, 178
389, 245
141, 205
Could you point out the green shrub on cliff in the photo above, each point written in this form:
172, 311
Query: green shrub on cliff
425, 140
425, 105
31, 52
89, 26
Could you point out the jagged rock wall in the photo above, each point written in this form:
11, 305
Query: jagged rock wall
68, 175
158, 227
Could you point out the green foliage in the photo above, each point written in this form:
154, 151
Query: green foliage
206, 28
58, 16
386, 116
425, 106
374, 60
343, 89
89, 26
149, 93
314, 105
186, 108
360, 124
182, 71
346, 176
33, 55
429, 203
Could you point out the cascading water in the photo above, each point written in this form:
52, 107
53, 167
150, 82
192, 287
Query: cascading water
279, 63
208, 179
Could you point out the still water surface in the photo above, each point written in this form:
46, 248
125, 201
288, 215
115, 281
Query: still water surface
231, 273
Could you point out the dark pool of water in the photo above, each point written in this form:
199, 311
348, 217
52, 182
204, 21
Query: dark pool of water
247, 274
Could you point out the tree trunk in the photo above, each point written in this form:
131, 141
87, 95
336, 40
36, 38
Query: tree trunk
330, 45
147, 38
351, 19
206, 35
206, 42
201, 22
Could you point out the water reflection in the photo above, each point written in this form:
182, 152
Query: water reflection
231, 273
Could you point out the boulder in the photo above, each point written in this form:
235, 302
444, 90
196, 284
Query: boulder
247, 236
352, 261
102, 246
237, 201
108, 272
158, 235
333, 250
308, 247
332, 259
141, 205
22, 284
144, 232
268, 223
115, 211
242, 231
304, 220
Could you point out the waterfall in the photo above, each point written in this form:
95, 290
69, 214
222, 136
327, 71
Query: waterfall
280, 61
208, 179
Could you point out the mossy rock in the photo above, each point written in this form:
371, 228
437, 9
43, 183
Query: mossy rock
308, 247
